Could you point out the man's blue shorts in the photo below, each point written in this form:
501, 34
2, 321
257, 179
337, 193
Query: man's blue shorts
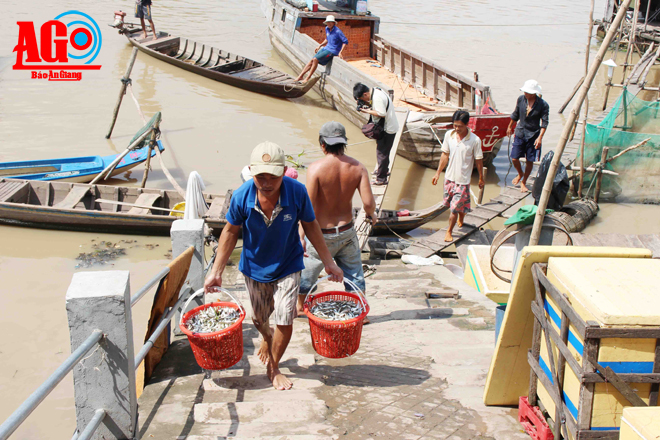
324, 56
524, 148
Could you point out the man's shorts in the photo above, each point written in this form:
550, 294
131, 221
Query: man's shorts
143, 11
324, 56
345, 249
524, 148
457, 196
277, 297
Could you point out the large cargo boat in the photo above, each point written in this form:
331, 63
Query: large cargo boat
431, 92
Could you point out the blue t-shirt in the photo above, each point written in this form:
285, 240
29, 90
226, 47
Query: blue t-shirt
336, 39
271, 252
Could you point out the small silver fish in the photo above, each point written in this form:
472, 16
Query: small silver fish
334, 310
212, 319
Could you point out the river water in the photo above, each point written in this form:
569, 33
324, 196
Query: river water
211, 128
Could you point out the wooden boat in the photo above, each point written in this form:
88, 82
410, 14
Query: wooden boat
390, 221
216, 64
73, 169
431, 92
97, 208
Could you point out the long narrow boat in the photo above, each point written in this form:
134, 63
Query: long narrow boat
73, 169
431, 92
391, 221
98, 208
216, 64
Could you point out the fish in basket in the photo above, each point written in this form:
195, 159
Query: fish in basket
336, 319
215, 332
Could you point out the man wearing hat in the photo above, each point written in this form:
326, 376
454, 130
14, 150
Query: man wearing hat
269, 207
331, 184
532, 114
334, 43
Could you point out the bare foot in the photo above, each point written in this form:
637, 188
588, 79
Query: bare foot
523, 188
144, 36
280, 381
263, 350
366, 321
448, 236
515, 181
459, 222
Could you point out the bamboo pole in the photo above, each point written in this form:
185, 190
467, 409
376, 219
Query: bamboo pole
122, 91
586, 100
593, 170
118, 159
599, 178
616, 54
631, 43
572, 94
133, 205
547, 186
147, 163
629, 149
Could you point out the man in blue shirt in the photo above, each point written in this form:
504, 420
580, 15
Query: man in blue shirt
334, 43
268, 207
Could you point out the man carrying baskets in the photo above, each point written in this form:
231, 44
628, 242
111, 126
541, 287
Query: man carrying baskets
269, 207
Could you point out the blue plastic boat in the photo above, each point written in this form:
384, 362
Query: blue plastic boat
73, 169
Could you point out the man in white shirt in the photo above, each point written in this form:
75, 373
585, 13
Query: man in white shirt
460, 149
377, 103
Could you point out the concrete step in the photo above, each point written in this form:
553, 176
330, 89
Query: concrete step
270, 437
289, 429
264, 413
257, 383
290, 360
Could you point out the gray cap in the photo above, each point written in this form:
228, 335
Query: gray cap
333, 133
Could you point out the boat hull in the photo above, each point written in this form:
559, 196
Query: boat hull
275, 89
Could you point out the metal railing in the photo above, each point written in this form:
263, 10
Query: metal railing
31, 403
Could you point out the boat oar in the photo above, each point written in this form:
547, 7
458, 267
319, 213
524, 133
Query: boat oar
133, 205
118, 159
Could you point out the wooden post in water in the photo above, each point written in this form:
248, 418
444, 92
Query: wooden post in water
559, 151
608, 86
599, 177
631, 43
122, 91
586, 100
148, 161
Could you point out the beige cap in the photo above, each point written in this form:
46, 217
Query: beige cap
330, 19
267, 157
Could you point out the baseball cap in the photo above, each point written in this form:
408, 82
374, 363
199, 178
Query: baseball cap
333, 133
267, 157
330, 19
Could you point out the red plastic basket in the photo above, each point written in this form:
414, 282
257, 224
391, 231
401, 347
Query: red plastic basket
218, 350
336, 339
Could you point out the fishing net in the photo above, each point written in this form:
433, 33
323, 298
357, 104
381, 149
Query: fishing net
630, 121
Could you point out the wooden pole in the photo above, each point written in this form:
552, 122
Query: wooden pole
480, 198
646, 17
586, 100
570, 97
559, 151
133, 205
599, 178
147, 163
631, 42
122, 91
616, 54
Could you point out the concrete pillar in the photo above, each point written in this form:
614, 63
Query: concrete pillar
186, 233
105, 378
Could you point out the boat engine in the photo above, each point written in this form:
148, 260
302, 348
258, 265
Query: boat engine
119, 19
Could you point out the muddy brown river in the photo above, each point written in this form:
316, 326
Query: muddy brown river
211, 128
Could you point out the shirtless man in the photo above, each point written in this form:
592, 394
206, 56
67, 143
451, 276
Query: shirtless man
331, 184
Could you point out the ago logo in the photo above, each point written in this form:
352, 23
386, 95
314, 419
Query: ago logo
66, 46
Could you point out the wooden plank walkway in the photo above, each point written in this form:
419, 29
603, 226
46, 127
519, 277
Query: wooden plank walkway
648, 241
362, 226
474, 220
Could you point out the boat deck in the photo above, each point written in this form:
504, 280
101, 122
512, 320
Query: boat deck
405, 95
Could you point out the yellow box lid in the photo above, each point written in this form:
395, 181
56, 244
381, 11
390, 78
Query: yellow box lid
644, 420
615, 291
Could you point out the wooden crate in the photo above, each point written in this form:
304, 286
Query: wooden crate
552, 385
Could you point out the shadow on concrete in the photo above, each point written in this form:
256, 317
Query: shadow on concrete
407, 315
370, 375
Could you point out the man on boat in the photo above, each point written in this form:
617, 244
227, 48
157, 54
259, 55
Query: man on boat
461, 149
142, 11
269, 207
532, 114
335, 42
377, 103
331, 184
